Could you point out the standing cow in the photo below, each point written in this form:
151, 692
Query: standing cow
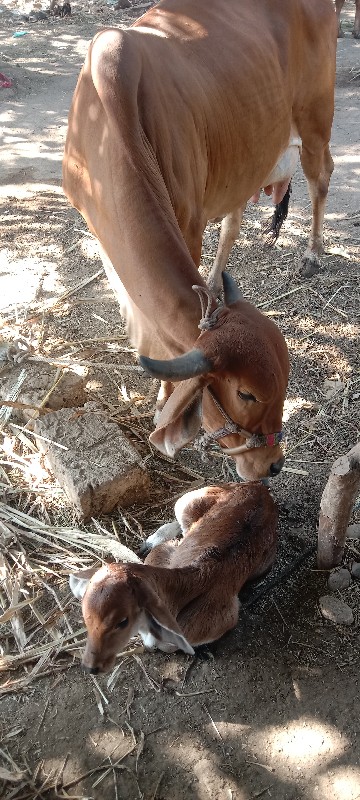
178, 120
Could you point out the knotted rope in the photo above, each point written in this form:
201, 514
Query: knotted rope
208, 320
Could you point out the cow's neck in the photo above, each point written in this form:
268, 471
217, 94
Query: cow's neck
142, 240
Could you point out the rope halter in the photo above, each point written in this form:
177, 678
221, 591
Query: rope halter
253, 440
208, 320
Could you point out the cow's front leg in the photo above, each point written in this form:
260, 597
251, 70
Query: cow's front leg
166, 389
318, 167
229, 231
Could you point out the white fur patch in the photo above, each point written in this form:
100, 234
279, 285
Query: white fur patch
182, 503
78, 586
163, 534
79, 581
149, 640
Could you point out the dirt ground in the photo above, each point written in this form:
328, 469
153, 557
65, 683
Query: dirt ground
272, 710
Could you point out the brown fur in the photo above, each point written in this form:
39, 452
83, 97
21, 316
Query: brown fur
192, 588
178, 120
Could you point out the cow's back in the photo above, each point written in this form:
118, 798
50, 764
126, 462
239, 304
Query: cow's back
191, 89
214, 76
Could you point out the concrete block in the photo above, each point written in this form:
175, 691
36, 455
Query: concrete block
40, 377
100, 468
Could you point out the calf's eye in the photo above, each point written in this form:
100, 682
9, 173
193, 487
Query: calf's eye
123, 623
247, 396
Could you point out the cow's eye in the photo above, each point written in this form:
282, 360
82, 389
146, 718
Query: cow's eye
123, 623
247, 396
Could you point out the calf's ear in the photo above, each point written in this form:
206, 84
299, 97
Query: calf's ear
161, 622
78, 581
166, 635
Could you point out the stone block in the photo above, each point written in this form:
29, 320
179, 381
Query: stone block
96, 465
40, 377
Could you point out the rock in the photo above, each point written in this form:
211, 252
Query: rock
40, 378
355, 569
339, 579
336, 610
96, 465
353, 531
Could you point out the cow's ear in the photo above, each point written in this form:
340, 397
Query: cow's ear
181, 418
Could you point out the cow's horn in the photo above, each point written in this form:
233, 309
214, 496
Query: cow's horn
177, 369
232, 292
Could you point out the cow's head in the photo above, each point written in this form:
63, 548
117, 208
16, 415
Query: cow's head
236, 373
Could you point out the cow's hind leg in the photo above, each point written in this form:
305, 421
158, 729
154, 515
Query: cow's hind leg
338, 6
318, 165
356, 31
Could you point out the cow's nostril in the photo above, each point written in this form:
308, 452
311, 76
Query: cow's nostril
276, 467
91, 670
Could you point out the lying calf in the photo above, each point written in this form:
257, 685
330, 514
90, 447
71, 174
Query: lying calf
185, 594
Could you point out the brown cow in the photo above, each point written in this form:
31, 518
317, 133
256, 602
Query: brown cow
338, 7
175, 121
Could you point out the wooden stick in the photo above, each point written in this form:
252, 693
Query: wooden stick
335, 508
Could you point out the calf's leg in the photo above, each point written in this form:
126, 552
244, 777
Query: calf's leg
207, 618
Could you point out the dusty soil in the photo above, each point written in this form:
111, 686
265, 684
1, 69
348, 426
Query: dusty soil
271, 710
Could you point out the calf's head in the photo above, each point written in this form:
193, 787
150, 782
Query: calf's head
233, 383
116, 605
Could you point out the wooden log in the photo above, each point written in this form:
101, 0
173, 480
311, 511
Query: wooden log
335, 508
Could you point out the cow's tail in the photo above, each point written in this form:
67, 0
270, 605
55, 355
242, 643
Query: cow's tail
272, 230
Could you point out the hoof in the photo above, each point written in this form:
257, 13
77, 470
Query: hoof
144, 549
310, 265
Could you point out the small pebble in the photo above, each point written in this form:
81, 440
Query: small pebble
336, 610
355, 569
339, 579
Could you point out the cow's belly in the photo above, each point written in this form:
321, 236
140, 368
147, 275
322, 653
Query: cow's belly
277, 182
